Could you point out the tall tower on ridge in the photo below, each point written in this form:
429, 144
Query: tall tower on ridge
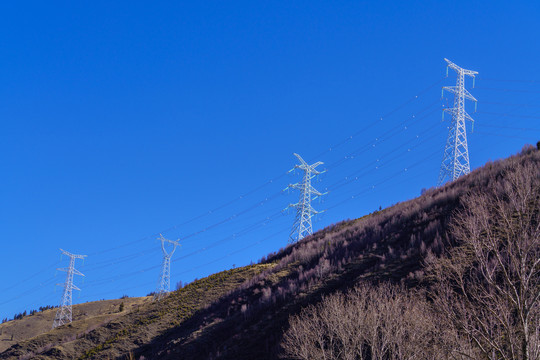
64, 313
164, 284
304, 211
455, 161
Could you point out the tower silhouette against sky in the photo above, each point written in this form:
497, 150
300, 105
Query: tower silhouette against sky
304, 211
164, 283
455, 161
64, 313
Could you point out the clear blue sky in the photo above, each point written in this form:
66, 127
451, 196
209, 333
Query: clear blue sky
120, 120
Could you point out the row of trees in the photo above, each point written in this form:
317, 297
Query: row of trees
19, 316
481, 300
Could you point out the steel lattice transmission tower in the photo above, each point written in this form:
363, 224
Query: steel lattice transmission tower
304, 211
64, 314
164, 284
456, 153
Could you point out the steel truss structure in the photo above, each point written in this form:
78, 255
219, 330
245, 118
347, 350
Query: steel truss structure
64, 313
164, 283
304, 211
455, 161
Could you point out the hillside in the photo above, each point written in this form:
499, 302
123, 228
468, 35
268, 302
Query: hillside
243, 313
116, 334
85, 317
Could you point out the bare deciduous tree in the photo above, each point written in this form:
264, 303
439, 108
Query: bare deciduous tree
379, 323
490, 285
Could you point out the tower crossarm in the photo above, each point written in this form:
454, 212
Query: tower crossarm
302, 162
296, 186
72, 255
459, 69
468, 95
456, 91
163, 241
316, 192
313, 166
75, 271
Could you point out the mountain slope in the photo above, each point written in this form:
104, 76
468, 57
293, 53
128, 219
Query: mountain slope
242, 313
85, 316
391, 245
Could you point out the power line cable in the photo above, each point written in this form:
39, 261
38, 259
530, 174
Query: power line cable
508, 90
510, 127
30, 277
401, 106
509, 80
503, 135
509, 115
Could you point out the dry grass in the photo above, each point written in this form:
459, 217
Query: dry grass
85, 316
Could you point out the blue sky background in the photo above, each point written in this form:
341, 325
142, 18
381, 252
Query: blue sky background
120, 120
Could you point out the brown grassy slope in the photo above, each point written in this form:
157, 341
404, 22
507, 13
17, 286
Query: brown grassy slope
41, 322
386, 246
139, 326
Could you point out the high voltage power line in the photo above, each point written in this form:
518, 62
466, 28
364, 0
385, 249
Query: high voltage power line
228, 203
282, 231
509, 80
201, 250
510, 90
510, 115
265, 220
153, 267
379, 140
368, 188
245, 231
259, 203
396, 130
249, 246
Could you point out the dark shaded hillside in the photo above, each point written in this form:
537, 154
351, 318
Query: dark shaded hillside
243, 313
392, 244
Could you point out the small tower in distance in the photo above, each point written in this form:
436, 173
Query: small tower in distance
64, 313
304, 211
164, 284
